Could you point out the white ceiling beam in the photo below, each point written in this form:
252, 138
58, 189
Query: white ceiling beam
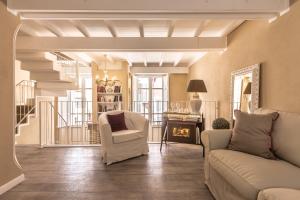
161, 62
110, 28
141, 29
121, 44
149, 16
145, 60
80, 27
127, 57
50, 27
171, 28
178, 59
198, 57
200, 28
143, 6
171, 70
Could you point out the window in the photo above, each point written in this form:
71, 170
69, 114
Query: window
76, 107
150, 96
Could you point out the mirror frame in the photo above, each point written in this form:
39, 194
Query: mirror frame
255, 86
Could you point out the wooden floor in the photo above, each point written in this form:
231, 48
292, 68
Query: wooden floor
78, 173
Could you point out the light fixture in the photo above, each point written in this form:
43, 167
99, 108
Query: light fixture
105, 69
196, 86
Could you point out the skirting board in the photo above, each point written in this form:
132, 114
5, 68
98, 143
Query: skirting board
4, 188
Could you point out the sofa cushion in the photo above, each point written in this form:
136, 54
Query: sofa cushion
279, 194
252, 133
286, 136
249, 174
126, 135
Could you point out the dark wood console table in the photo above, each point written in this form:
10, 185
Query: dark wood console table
182, 128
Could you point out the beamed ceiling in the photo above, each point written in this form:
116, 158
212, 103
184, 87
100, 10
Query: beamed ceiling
170, 33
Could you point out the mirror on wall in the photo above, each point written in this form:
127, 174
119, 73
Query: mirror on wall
245, 89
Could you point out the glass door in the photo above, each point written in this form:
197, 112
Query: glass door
150, 96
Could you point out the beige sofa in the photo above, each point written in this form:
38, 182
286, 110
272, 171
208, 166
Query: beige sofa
232, 175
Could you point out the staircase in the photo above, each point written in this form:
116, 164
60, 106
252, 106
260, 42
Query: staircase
50, 79
50, 75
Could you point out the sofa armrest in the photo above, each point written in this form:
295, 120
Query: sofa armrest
215, 139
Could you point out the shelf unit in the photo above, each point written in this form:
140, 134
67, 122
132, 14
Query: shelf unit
109, 96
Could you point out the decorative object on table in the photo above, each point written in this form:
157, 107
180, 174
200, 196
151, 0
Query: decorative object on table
196, 86
245, 84
220, 123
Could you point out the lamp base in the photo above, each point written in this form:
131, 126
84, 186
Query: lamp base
195, 105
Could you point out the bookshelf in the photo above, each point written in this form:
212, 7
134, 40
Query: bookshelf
109, 96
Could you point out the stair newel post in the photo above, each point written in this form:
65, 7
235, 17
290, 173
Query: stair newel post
40, 124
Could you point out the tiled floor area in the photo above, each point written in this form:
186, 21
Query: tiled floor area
78, 173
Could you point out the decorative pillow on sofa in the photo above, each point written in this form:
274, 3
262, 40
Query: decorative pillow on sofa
117, 122
252, 133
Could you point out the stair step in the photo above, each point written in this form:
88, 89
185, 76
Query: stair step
40, 56
50, 76
40, 66
57, 85
51, 92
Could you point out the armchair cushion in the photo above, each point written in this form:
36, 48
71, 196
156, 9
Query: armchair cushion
117, 122
126, 135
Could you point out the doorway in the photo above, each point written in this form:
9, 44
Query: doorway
150, 96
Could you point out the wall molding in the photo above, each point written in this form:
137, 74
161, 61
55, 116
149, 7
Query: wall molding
16, 181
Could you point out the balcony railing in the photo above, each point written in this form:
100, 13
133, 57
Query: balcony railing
73, 122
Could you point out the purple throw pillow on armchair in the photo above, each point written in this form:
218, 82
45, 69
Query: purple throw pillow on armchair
117, 122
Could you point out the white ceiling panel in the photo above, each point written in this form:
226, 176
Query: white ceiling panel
186, 28
96, 28
35, 29
219, 28
64, 28
156, 28
126, 28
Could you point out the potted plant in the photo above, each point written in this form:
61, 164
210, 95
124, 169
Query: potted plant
220, 123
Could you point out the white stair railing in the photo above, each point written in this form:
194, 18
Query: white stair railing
67, 123
24, 101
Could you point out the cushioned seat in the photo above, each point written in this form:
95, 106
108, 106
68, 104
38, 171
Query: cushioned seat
126, 135
279, 194
249, 174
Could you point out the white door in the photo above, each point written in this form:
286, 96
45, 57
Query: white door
150, 96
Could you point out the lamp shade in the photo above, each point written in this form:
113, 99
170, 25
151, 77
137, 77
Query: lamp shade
247, 89
196, 86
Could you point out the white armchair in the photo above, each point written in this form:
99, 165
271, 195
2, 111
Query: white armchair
121, 145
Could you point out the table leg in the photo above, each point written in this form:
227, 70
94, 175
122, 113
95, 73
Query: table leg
163, 137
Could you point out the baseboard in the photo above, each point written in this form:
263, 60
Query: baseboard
4, 188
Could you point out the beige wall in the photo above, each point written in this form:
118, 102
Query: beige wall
8, 167
177, 87
121, 75
276, 45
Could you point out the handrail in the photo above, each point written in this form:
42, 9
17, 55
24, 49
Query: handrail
18, 84
58, 114
27, 114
